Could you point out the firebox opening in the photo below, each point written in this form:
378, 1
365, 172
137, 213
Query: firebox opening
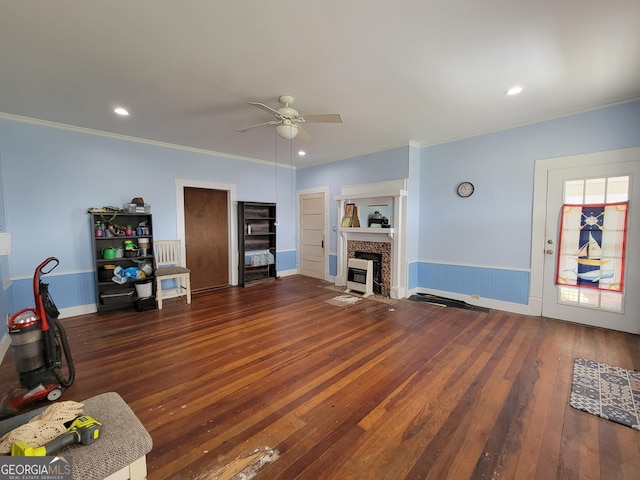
376, 258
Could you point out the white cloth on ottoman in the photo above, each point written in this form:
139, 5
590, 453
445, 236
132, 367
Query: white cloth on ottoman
123, 438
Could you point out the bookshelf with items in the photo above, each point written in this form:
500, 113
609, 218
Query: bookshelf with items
123, 257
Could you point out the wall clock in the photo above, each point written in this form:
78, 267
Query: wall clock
465, 189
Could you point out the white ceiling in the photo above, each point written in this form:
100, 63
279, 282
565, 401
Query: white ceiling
423, 71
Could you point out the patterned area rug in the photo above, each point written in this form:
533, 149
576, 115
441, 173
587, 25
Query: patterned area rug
609, 392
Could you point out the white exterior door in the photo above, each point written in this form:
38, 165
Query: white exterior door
584, 185
312, 235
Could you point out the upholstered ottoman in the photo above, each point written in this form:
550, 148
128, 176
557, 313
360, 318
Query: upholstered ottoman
119, 453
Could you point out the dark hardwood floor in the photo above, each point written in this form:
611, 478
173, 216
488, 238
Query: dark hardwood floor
366, 391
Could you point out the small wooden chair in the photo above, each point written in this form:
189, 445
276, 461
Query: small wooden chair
169, 266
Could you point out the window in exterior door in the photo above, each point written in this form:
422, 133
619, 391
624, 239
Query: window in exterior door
593, 191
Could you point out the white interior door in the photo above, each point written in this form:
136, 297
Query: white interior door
595, 184
312, 235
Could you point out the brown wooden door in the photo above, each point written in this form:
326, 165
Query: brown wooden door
206, 226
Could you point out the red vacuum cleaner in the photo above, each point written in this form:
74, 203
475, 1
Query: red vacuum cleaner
38, 341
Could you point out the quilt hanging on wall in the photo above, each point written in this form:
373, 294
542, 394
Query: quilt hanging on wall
591, 249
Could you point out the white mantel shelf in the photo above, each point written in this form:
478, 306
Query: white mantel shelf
376, 194
388, 231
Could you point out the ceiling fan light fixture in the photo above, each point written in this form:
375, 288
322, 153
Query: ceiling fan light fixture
287, 131
288, 119
515, 90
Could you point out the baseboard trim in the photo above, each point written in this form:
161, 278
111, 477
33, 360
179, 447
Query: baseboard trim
287, 273
535, 306
78, 310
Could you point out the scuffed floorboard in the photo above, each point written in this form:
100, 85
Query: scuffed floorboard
243, 467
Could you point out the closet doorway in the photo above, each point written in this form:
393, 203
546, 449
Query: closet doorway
206, 235
313, 224
312, 235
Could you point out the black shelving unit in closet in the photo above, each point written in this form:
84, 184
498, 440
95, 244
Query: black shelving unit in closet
256, 242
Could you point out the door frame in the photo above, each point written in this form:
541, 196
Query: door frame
327, 227
541, 172
230, 188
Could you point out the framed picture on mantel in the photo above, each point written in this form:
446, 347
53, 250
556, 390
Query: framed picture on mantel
349, 209
355, 219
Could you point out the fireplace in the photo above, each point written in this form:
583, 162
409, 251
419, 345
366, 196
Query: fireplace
376, 258
389, 242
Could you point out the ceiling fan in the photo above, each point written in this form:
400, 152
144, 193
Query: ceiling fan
289, 120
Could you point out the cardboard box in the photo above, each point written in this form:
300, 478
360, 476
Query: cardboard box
137, 208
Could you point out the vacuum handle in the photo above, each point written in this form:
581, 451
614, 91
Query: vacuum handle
40, 268
40, 271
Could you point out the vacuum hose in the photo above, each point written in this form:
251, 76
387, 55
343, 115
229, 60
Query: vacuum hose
57, 330
62, 338
47, 301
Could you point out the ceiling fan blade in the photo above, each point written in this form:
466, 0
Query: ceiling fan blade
321, 118
272, 122
266, 108
303, 134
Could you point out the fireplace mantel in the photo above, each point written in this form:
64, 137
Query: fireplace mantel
373, 231
394, 194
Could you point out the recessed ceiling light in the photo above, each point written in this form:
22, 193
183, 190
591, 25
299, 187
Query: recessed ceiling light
515, 90
302, 153
121, 111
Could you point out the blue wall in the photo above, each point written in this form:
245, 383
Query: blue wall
6, 301
473, 245
50, 176
392, 164
53, 175
479, 245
